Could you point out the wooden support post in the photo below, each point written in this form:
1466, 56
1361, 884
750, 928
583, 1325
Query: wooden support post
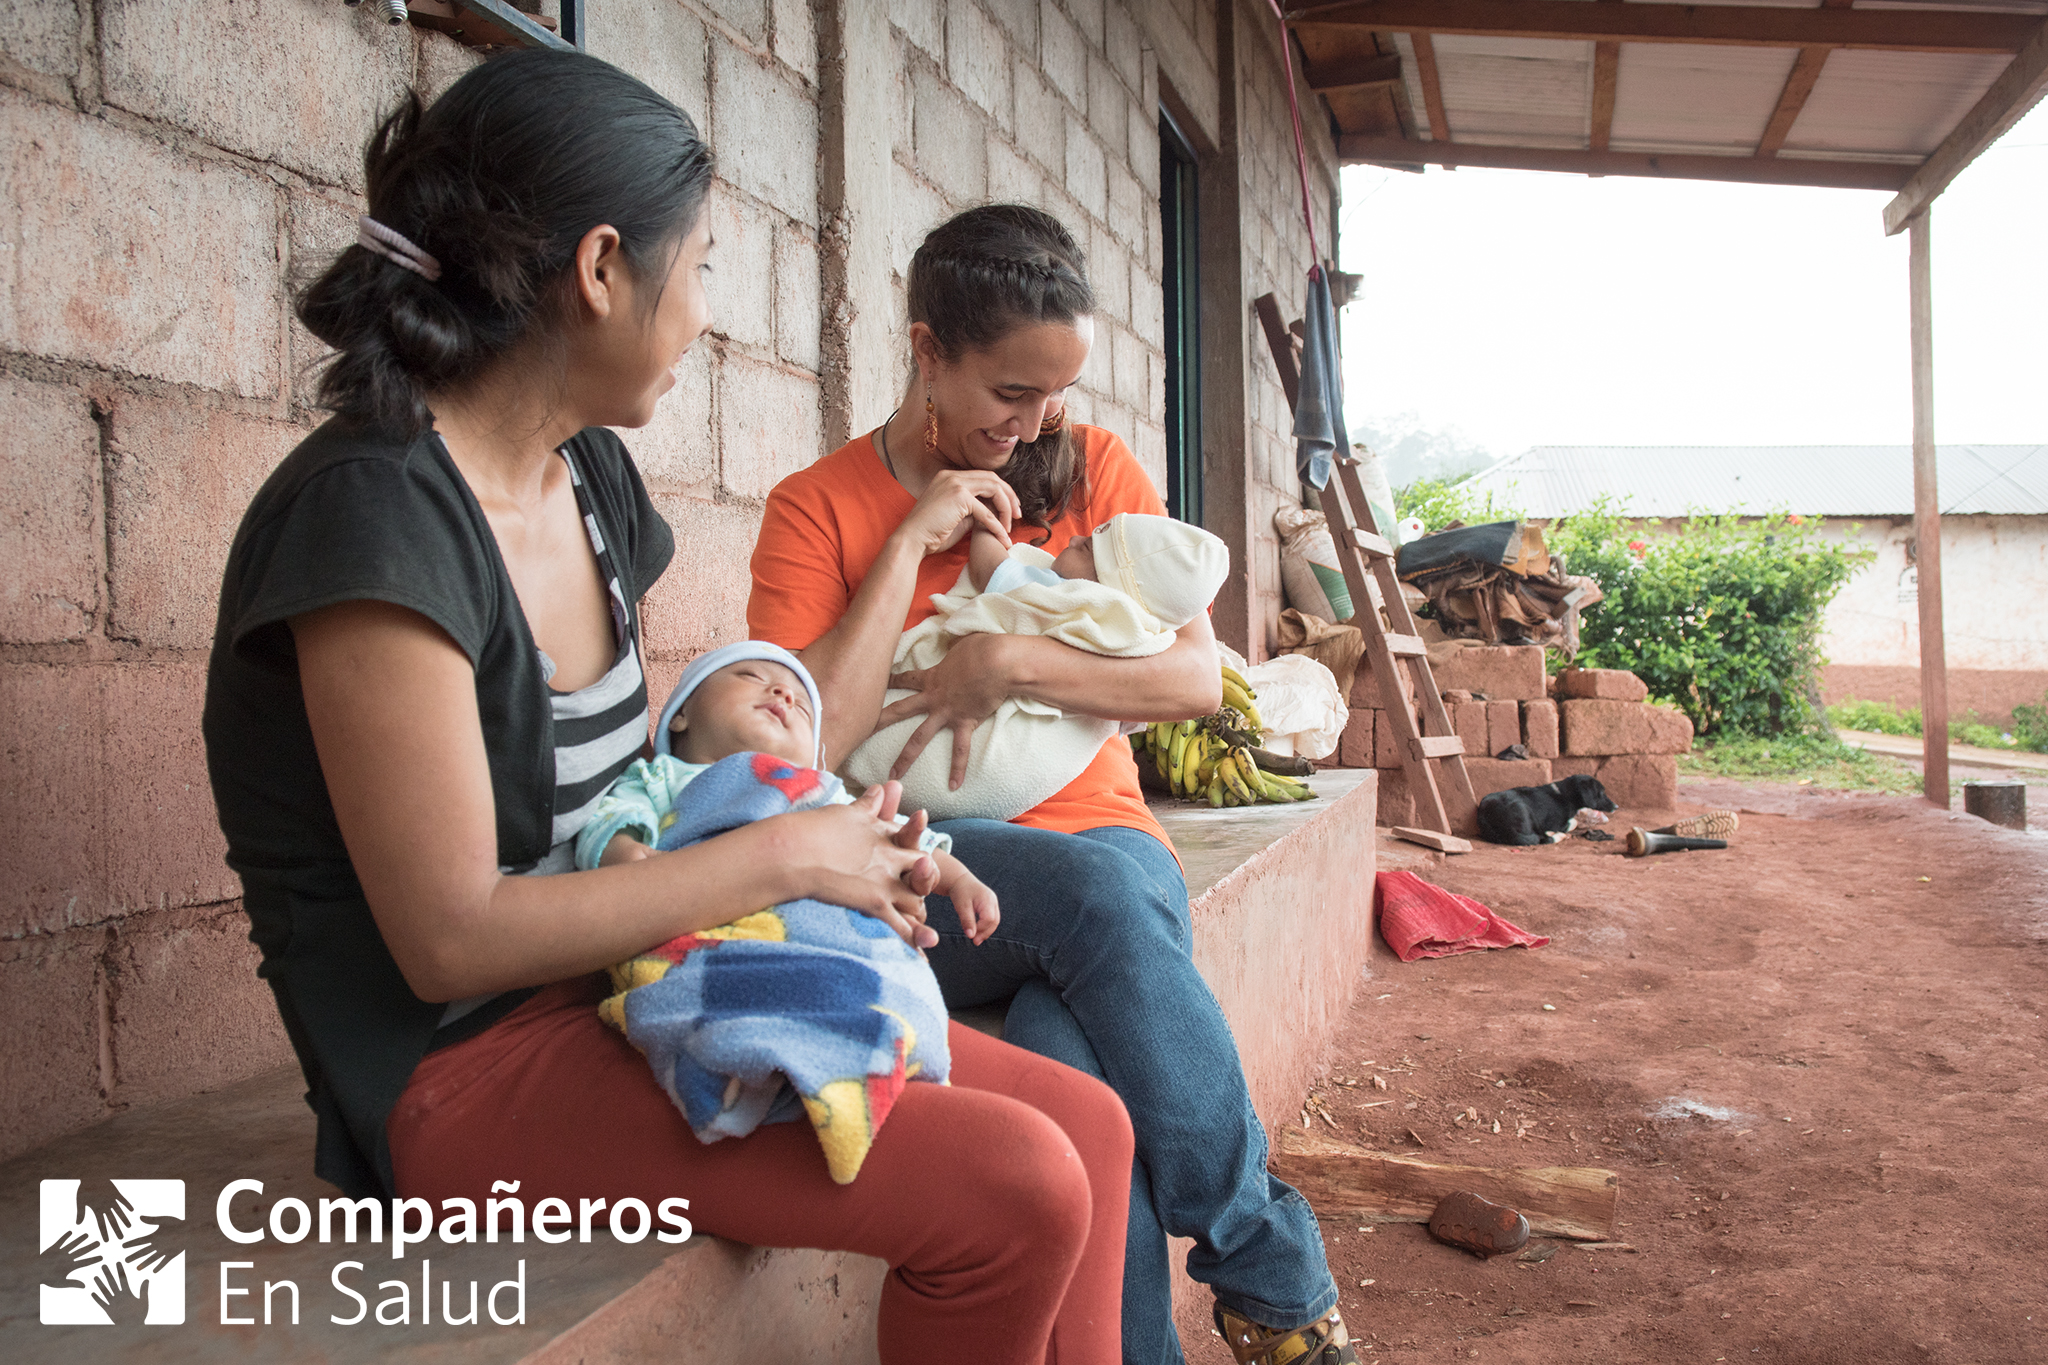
1927, 521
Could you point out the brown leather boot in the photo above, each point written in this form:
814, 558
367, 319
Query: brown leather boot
1323, 1342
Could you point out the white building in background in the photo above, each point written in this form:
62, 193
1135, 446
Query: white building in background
1994, 546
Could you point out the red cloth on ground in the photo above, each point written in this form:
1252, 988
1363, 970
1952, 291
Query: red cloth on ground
1421, 920
999, 1201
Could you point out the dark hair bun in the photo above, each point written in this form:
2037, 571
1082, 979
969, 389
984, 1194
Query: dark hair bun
499, 187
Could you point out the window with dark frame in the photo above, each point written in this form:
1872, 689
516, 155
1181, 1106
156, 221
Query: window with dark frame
1180, 281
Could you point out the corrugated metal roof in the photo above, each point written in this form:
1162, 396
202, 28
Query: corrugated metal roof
1827, 481
1707, 98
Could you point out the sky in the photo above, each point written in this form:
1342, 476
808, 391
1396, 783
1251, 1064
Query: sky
1505, 309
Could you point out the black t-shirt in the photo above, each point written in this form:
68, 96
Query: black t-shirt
354, 515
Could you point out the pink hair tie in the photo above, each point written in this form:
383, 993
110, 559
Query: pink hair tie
372, 235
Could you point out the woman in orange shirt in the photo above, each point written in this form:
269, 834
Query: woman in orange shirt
1094, 948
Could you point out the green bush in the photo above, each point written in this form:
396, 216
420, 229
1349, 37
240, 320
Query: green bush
2030, 726
1722, 618
1439, 502
1877, 717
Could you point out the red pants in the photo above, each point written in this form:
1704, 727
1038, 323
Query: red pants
999, 1201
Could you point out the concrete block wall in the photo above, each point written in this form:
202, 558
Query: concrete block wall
169, 170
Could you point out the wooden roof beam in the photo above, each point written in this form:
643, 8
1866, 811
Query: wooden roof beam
1606, 67
1932, 30
1798, 85
1432, 86
1854, 175
1354, 73
2015, 91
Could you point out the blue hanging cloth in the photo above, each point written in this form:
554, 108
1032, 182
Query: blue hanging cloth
1319, 431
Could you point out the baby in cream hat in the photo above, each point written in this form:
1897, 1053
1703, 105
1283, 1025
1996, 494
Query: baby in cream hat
1121, 591
1171, 569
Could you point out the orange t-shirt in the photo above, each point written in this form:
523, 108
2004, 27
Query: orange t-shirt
824, 529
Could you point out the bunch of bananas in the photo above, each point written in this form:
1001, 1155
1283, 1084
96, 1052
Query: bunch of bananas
1211, 758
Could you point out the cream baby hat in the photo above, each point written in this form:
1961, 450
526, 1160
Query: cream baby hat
1173, 569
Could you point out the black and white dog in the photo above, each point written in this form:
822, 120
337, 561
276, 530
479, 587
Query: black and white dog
1539, 815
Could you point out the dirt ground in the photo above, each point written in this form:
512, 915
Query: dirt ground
1815, 1060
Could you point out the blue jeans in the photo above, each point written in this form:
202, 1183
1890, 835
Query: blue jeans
1095, 947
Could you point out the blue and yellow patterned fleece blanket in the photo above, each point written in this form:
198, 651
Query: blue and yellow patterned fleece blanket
803, 996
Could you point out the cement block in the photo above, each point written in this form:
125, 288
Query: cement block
51, 790
1604, 684
978, 61
1539, 728
1623, 727
1063, 55
318, 228
1502, 672
1088, 18
1109, 103
1129, 207
1041, 120
443, 61
1641, 781
742, 282
748, 18
1086, 169
768, 424
666, 46
796, 37
1144, 153
1500, 774
701, 602
50, 535
1131, 363
1011, 178
797, 297
950, 143
146, 261
179, 477
1019, 19
164, 845
1150, 449
1355, 746
1125, 49
751, 93
49, 1014
281, 81
188, 1011
678, 451
923, 22
1109, 274
1468, 720
1503, 725
914, 210
43, 37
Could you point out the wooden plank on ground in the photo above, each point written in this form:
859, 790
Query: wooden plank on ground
1429, 838
1336, 1177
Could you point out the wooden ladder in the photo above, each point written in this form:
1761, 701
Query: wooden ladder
1425, 740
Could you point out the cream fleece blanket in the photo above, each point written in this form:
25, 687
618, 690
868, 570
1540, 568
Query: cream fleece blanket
1027, 750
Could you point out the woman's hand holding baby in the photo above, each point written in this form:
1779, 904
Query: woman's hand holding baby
848, 856
958, 693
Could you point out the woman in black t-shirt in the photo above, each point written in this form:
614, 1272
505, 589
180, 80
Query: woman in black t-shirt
427, 664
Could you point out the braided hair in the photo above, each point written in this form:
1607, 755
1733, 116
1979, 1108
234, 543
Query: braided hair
978, 277
498, 180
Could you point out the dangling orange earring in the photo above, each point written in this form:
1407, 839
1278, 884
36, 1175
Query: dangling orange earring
1056, 422
931, 423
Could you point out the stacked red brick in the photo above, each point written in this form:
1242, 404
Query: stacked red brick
1597, 722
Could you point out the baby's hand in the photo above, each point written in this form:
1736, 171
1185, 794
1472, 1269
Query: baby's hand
622, 849
977, 907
